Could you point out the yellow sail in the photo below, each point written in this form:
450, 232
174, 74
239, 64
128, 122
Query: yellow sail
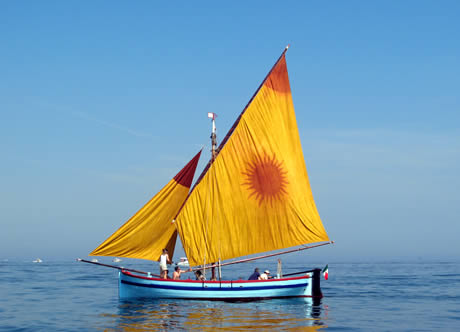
151, 228
256, 196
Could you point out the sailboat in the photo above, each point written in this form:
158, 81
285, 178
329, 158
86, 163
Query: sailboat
253, 197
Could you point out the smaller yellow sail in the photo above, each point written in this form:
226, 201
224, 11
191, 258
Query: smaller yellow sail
151, 228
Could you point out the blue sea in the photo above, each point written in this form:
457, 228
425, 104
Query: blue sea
74, 296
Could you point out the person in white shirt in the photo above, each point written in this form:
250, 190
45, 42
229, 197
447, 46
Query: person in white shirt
265, 275
164, 260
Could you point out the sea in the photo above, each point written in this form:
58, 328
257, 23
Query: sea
386, 296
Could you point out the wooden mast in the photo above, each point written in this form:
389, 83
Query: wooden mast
213, 116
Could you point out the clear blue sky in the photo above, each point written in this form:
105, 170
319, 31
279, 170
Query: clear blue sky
103, 102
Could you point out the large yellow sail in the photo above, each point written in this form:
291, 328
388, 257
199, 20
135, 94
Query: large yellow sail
151, 228
256, 196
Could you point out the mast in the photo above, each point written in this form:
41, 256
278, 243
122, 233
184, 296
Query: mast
213, 137
213, 116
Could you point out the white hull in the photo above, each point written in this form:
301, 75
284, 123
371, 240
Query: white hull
183, 264
135, 286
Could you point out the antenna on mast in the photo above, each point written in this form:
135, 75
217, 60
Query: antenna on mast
213, 116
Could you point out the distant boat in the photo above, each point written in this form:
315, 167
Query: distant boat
116, 260
183, 261
95, 260
38, 260
252, 197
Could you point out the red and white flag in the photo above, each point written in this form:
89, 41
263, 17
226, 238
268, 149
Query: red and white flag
326, 272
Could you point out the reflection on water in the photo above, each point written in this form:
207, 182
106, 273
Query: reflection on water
288, 314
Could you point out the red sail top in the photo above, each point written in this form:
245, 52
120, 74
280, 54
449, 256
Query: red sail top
185, 176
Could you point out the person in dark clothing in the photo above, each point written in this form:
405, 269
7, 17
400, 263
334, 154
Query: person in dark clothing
255, 275
199, 275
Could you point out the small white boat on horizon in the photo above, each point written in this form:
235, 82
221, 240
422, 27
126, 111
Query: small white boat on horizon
38, 260
95, 260
183, 262
116, 260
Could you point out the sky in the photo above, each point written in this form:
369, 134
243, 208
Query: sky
102, 103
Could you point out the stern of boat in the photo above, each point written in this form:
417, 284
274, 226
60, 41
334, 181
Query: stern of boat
315, 284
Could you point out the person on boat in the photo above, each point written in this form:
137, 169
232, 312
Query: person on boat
255, 275
177, 272
265, 275
213, 272
199, 275
164, 260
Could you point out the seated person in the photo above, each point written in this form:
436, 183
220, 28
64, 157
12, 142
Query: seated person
199, 275
178, 272
265, 275
255, 275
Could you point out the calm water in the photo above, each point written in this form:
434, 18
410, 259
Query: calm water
72, 296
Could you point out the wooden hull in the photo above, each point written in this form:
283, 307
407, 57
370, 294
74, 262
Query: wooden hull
135, 286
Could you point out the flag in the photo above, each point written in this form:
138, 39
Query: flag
326, 272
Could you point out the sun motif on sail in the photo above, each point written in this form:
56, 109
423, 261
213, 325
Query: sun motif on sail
266, 180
